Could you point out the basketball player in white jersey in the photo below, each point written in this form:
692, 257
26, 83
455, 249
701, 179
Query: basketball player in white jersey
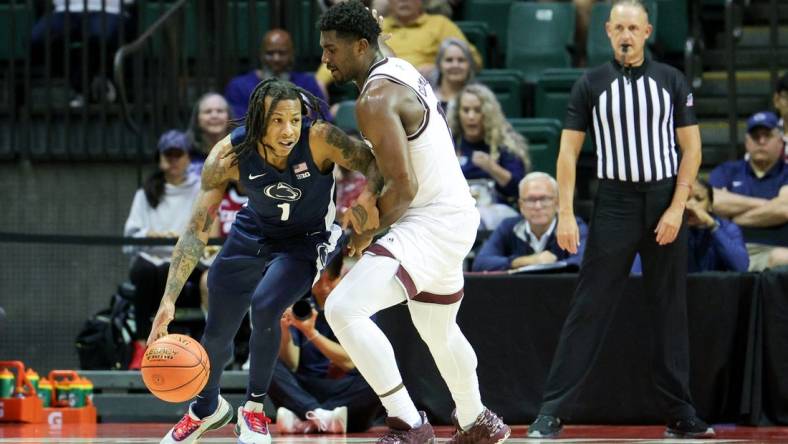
425, 203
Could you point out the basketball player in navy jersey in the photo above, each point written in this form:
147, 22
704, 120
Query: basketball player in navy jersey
278, 243
432, 220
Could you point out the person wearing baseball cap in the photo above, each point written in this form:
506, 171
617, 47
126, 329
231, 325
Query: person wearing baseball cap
753, 191
160, 209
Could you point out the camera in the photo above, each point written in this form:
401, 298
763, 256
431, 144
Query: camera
302, 309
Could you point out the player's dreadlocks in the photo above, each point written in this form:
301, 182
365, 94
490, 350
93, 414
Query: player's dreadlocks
257, 117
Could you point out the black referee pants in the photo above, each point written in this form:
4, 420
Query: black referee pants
625, 217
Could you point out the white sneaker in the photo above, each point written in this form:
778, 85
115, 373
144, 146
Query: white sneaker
190, 428
287, 422
329, 421
252, 425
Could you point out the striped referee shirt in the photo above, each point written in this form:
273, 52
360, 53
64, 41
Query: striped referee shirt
632, 114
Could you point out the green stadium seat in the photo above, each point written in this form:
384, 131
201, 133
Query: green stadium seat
14, 40
507, 84
478, 34
493, 12
239, 30
552, 91
539, 36
543, 137
552, 95
673, 26
346, 116
598, 49
302, 16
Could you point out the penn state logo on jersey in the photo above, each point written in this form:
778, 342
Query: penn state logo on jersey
282, 191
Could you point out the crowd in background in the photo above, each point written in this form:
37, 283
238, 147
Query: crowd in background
518, 205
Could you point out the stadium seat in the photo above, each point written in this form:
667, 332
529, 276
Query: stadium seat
598, 47
543, 137
539, 36
302, 15
14, 39
478, 33
507, 84
673, 27
493, 12
552, 91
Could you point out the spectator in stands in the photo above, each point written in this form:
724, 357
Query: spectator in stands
276, 60
209, 123
781, 105
529, 239
315, 384
754, 192
713, 243
415, 37
101, 20
161, 209
487, 145
454, 68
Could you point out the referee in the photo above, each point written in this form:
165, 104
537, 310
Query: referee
638, 111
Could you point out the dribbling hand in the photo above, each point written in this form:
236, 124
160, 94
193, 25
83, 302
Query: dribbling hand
568, 234
164, 316
358, 243
363, 215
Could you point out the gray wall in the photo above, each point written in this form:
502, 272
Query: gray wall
48, 290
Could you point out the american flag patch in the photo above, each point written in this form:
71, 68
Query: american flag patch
300, 168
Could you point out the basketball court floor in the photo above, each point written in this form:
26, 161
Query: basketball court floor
152, 433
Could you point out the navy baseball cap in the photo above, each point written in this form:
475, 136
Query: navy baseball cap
766, 119
174, 140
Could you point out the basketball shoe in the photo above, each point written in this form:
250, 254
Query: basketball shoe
690, 427
190, 428
329, 421
487, 429
287, 422
400, 432
252, 425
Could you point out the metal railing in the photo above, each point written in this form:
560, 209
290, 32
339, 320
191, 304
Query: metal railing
61, 97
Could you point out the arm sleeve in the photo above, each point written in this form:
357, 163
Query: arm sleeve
683, 102
578, 109
515, 166
493, 254
728, 242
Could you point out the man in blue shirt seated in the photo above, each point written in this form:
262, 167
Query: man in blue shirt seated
315, 384
753, 192
529, 239
276, 60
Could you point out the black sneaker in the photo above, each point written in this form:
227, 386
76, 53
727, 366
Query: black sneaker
545, 426
689, 427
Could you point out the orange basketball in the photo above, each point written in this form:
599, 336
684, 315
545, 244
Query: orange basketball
175, 368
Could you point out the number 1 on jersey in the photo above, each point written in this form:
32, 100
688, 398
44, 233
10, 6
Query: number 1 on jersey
285, 210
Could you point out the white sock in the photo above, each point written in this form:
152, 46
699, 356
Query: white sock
399, 405
253, 406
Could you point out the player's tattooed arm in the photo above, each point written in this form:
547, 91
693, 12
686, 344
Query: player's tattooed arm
218, 169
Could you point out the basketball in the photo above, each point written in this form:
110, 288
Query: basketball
175, 368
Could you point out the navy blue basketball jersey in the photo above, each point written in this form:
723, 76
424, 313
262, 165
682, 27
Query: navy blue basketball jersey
293, 202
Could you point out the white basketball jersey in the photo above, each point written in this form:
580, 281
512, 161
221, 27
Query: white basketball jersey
432, 154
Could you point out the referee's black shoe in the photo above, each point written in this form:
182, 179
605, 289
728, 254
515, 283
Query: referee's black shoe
545, 426
689, 427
